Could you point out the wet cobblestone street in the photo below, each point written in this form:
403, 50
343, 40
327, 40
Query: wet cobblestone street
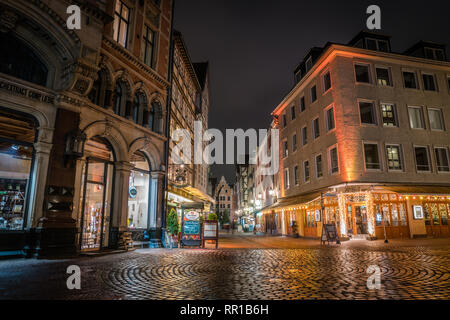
244, 268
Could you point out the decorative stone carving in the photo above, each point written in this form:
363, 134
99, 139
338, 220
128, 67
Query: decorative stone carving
8, 20
83, 76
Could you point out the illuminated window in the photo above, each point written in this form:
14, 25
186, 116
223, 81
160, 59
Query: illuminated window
394, 157
383, 76
121, 23
389, 115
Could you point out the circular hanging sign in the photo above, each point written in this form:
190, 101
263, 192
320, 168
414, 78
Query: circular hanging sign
133, 192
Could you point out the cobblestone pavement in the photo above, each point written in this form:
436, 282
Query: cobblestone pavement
245, 268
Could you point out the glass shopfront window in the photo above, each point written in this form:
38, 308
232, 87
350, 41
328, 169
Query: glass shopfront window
17, 135
138, 193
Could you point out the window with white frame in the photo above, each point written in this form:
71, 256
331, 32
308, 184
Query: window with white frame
410, 80
333, 160
286, 178
434, 54
304, 136
389, 115
416, 120
316, 128
329, 118
371, 156
306, 171
285, 149
442, 161
383, 76
296, 176
302, 104
294, 142
121, 23
313, 94
429, 82
422, 159
362, 73
326, 81
367, 112
319, 170
377, 45
394, 157
436, 119
293, 113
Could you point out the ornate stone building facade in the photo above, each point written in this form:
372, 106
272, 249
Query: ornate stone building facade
82, 118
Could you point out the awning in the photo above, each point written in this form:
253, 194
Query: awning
422, 190
291, 201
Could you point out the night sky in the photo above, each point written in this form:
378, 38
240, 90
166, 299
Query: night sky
253, 46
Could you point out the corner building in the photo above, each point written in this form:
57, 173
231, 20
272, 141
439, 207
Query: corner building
82, 124
364, 141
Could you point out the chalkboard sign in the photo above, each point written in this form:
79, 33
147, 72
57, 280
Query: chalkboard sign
329, 234
190, 229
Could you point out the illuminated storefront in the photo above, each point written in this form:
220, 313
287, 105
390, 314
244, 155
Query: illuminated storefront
374, 213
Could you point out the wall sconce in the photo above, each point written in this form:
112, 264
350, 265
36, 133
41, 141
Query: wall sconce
75, 144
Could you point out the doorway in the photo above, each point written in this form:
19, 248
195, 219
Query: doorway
357, 219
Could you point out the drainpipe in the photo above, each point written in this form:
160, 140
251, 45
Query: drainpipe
167, 129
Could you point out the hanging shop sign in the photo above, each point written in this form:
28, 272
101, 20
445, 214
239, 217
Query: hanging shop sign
418, 212
329, 234
210, 232
191, 225
133, 192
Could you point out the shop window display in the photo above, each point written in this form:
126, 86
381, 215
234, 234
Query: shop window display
138, 195
17, 135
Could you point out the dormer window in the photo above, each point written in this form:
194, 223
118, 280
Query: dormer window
309, 64
434, 54
377, 45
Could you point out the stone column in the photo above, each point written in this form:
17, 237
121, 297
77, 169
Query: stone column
119, 226
37, 194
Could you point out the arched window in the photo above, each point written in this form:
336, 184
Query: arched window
19, 60
151, 119
156, 114
118, 98
136, 107
95, 93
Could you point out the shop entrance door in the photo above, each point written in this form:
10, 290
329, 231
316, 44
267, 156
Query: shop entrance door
436, 219
359, 217
96, 204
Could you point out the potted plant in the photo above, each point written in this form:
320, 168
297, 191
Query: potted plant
212, 217
172, 226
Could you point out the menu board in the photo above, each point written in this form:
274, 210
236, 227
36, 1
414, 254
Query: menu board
211, 232
191, 235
